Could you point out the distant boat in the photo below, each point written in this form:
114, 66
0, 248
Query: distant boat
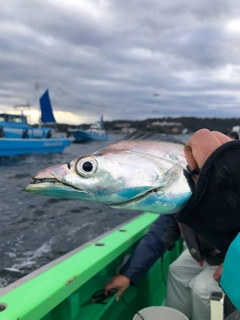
18, 137
95, 132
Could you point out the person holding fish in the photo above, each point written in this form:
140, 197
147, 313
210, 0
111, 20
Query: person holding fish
214, 209
198, 149
146, 171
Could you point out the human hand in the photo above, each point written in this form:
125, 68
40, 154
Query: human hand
217, 273
201, 145
120, 282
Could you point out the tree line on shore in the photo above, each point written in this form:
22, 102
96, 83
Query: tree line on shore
165, 124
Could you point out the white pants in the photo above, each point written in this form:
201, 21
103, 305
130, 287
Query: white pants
190, 286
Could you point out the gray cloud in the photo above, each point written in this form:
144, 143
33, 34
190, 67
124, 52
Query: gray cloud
111, 56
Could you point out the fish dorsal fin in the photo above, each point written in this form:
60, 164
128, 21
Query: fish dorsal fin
150, 136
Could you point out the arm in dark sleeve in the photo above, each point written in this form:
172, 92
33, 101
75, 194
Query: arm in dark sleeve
162, 236
213, 210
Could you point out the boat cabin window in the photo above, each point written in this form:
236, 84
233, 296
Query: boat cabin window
13, 118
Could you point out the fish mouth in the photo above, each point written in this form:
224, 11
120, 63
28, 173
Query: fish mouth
51, 181
60, 189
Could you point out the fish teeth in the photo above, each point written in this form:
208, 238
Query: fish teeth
58, 183
51, 180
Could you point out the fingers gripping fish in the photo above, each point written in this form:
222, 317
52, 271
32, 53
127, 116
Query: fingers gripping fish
144, 171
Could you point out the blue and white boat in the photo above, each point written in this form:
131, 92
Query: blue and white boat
17, 137
95, 132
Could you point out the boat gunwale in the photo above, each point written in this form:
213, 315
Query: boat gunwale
66, 256
41, 291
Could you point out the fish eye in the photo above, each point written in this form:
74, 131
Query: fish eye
86, 166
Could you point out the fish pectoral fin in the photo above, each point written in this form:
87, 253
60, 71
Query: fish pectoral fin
175, 170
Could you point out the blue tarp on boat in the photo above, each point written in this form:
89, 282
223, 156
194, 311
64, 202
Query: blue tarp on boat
46, 109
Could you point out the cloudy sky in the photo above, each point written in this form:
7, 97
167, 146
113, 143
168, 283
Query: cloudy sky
125, 59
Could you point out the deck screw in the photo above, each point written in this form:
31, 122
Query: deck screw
3, 306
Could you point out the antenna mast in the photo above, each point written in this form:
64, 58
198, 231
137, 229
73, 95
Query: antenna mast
37, 87
23, 107
37, 90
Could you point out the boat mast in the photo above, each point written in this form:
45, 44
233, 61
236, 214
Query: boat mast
37, 91
37, 87
23, 107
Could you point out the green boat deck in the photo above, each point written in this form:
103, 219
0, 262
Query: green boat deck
57, 290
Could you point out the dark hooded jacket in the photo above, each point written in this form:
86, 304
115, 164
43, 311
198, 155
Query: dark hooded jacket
163, 234
213, 211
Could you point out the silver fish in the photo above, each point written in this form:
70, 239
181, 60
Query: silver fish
144, 171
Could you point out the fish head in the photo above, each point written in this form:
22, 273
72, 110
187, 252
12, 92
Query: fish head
109, 177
